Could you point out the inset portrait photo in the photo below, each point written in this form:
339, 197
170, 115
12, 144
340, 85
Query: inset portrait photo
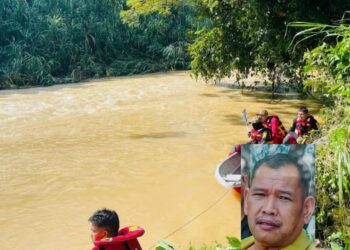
278, 201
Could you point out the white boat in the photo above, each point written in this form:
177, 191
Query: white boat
228, 172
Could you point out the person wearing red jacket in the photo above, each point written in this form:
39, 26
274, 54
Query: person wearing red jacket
105, 233
104, 224
302, 126
273, 123
259, 134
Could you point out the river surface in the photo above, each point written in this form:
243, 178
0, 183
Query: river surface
146, 146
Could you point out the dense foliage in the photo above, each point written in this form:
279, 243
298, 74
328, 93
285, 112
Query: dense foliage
44, 42
246, 36
252, 35
328, 72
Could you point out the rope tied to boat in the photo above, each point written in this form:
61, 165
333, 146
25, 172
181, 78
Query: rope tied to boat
194, 217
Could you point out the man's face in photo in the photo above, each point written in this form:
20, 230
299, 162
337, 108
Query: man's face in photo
275, 207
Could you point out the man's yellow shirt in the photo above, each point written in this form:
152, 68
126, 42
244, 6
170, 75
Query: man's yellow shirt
302, 242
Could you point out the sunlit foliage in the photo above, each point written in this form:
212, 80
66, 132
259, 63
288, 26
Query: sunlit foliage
252, 36
44, 42
327, 67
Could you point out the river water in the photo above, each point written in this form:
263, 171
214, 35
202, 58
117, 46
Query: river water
146, 146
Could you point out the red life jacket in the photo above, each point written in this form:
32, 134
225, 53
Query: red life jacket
281, 131
125, 240
256, 136
300, 127
303, 127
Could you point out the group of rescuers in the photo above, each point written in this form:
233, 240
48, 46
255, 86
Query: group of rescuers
268, 129
106, 235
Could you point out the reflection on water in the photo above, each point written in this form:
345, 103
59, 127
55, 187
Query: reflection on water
146, 146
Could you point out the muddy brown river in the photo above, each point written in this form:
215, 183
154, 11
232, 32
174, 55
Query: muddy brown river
146, 146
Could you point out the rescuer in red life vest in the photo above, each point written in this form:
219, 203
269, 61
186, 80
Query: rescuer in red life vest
104, 224
273, 123
105, 233
259, 134
302, 125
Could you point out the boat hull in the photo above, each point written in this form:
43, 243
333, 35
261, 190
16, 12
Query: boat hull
228, 172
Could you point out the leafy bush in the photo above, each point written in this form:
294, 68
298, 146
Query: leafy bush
233, 244
328, 67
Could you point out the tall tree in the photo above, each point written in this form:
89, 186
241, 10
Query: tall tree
248, 35
254, 35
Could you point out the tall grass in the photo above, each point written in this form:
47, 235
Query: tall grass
328, 68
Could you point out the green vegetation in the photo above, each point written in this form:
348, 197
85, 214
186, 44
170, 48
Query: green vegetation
246, 36
233, 244
328, 70
45, 42
251, 36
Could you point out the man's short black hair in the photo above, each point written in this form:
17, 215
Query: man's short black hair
304, 109
108, 219
280, 160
